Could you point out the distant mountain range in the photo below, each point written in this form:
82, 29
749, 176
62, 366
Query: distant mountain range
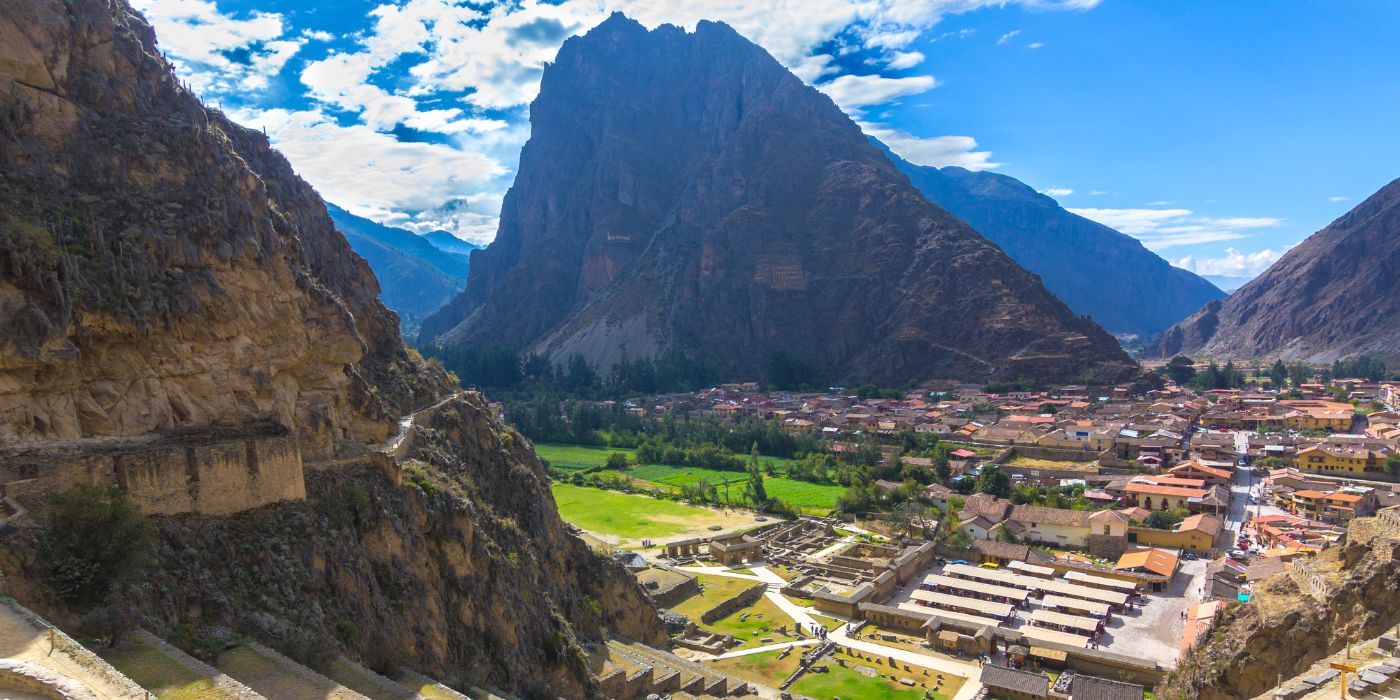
417, 274
1334, 296
683, 192
1098, 271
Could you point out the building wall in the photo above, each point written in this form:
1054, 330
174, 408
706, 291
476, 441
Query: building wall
1192, 541
1063, 535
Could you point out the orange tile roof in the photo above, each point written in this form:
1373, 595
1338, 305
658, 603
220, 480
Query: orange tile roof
1159, 561
1155, 490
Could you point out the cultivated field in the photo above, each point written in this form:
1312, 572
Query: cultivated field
570, 457
812, 498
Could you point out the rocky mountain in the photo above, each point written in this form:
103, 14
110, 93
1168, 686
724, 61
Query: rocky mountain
684, 192
1335, 295
1096, 270
450, 243
416, 276
167, 281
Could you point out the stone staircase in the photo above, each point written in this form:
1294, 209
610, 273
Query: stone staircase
367, 682
663, 672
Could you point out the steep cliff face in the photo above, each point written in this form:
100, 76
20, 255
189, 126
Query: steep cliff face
685, 192
162, 267
163, 271
1097, 271
1283, 629
1336, 295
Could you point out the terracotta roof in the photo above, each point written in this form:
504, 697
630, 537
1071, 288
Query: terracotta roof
1052, 516
1155, 490
1103, 515
1159, 561
987, 506
1202, 522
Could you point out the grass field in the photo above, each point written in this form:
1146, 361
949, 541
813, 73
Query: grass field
714, 589
571, 457
768, 669
807, 496
632, 517
763, 617
160, 674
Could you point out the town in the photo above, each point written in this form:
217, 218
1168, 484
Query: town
1068, 542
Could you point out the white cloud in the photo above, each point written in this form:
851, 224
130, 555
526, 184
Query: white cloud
904, 60
1007, 36
938, 151
472, 66
854, 92
1159, 229
1035, 45
371, 173
201, 41
1057, 191
1159, 203
1233, 264
1338, 198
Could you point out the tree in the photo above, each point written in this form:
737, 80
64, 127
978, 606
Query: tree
617, 460
1181, 369
1278, 375
906, 517
1392, 463
994, 481
96, 539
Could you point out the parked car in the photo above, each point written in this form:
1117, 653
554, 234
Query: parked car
1188, 556
989, 565
958, 561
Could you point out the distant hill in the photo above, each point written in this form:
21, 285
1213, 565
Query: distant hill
683, 192
1226, 283
450, 243
1334, 296
415, 275
1096, 270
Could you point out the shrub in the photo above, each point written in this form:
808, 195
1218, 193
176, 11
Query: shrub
96, 539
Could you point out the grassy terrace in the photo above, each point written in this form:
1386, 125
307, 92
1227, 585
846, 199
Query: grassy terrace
768, 669
151, 669
714, 589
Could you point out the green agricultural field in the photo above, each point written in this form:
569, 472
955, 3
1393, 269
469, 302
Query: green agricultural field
630, 517
807, 496
570, 457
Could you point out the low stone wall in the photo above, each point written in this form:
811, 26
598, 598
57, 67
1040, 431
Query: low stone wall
743, 599
78, 652
796, 588
30, 679
688, 586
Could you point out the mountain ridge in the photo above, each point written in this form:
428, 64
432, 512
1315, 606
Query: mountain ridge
1334, 296
1096, 270
766, 202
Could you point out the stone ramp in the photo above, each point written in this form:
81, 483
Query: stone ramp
43, 654
673, 673
166, 671
277, 677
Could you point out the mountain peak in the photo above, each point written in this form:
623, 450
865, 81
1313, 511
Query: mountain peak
683, 188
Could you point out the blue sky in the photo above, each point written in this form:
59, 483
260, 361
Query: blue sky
1220, 134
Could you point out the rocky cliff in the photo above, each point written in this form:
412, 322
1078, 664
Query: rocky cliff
682, 191
1099, 272
1336, 295
1289, 624
164, 272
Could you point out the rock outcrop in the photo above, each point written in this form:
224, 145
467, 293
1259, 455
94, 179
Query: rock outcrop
1335, 296
1099, 272
1288, 625
163, 274
684, 192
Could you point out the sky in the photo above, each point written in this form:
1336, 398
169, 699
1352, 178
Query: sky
1218, 134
